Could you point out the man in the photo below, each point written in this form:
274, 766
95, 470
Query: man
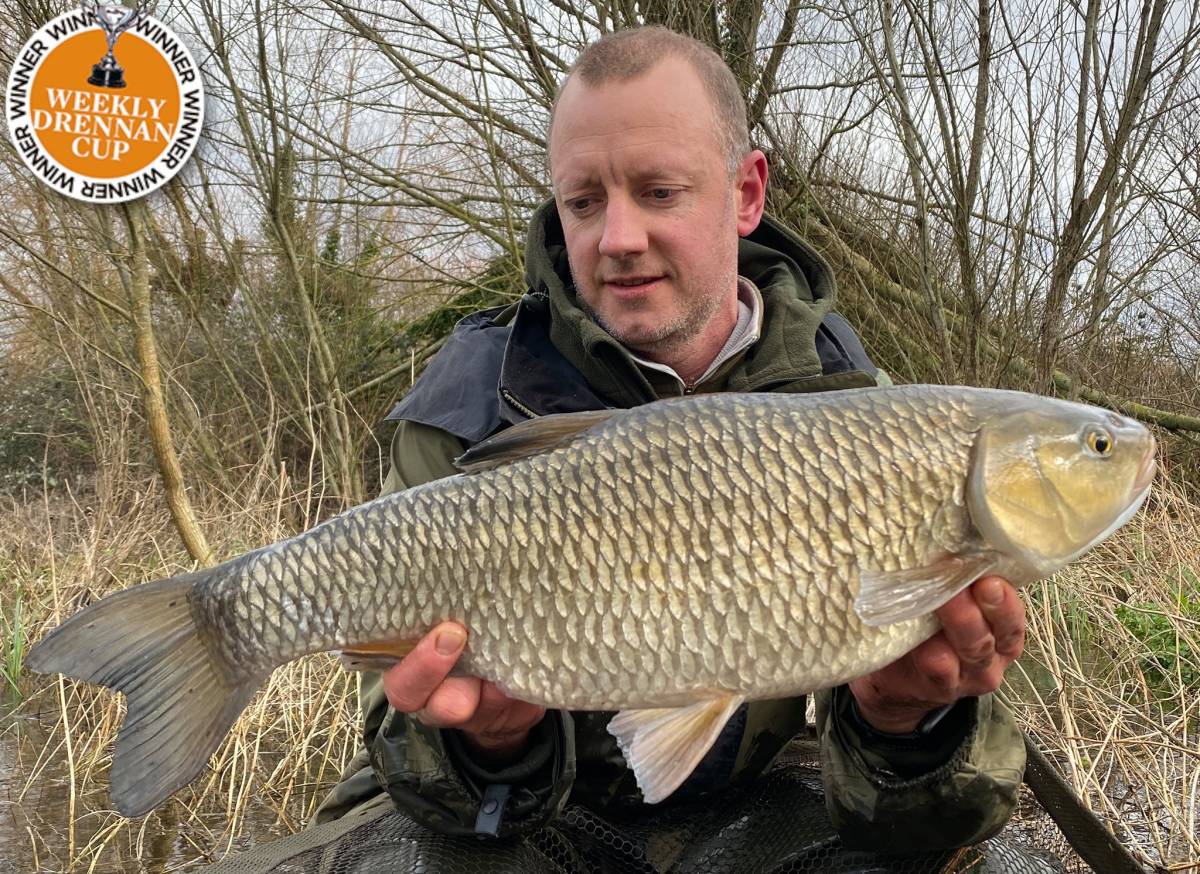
654, 273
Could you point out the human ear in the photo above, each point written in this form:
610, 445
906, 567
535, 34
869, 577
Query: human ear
750, 191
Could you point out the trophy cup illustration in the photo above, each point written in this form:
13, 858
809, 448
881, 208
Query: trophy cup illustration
114, 20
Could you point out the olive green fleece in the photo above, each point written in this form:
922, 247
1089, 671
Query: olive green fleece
797, 290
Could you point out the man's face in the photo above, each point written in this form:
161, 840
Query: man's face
649, 211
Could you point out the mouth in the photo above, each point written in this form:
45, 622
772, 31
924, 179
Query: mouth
630, 286
1147, 468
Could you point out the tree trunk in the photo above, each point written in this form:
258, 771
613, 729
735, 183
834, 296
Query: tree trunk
156, 409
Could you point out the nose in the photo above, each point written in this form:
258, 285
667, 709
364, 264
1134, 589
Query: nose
624, 229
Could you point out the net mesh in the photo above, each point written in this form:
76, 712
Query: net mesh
776, 826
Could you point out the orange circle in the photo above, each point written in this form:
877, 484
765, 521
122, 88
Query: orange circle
104, 133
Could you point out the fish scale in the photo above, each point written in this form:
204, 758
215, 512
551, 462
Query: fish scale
594, 475
597, 491
667, 562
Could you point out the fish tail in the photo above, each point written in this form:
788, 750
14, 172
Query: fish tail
145, 642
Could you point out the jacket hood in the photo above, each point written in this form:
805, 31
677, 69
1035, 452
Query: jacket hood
797, 290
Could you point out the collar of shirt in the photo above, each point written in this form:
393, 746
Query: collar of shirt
744, 335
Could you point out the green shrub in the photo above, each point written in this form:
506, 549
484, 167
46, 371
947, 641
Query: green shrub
1168, 651
42, 429
12, 648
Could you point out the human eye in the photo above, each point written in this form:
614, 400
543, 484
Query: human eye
662, 194
580, 205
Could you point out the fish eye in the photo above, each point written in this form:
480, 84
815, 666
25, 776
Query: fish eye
1100, 442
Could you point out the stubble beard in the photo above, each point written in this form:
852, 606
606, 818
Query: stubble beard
671, 339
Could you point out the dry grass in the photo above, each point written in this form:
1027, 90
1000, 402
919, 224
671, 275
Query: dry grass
1113, 698
283, 754
1110, 684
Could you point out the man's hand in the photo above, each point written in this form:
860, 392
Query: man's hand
493, 725
983, 632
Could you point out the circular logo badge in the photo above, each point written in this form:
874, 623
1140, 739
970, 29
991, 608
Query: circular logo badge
104, 106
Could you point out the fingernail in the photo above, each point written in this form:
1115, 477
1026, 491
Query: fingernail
449, 642
992, 592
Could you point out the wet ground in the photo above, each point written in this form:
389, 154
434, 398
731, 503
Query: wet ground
38, 808
37, 811
12, 833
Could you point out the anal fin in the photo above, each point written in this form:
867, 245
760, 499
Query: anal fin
664, 745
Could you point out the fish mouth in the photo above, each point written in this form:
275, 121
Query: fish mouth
1147, 468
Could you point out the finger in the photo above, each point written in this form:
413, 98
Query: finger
452, 704
937, 665
410, 683
1004, 612
493, 703
500, 715
967, 631
984, 682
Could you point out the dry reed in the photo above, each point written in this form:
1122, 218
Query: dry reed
1110, 683
285, 750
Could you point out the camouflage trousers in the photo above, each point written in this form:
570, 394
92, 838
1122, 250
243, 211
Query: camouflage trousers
778, 825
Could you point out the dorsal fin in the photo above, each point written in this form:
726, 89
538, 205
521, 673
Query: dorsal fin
534, 437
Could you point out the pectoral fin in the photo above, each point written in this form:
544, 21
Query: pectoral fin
378, 655
884, 598
664, 745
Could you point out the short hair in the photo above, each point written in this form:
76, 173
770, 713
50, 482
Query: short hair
626, 54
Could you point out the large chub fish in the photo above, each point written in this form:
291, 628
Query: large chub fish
669, 562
